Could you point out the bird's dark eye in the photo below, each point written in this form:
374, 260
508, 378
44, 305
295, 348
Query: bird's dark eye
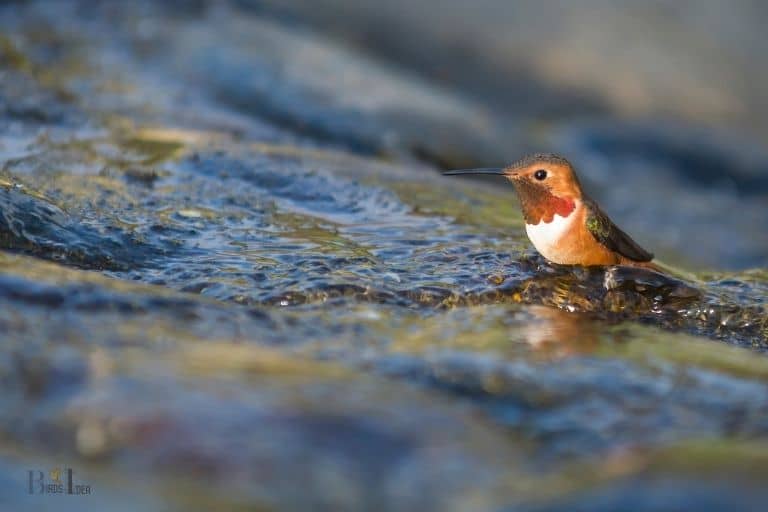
540, 175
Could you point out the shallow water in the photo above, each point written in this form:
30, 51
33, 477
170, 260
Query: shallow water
206, 305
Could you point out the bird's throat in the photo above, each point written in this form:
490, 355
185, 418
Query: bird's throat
540, 205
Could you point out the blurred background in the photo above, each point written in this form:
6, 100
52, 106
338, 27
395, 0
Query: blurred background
693, 62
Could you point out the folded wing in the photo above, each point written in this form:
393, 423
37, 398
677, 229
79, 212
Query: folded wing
608, 234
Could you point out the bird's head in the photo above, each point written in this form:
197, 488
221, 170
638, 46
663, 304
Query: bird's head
546, 184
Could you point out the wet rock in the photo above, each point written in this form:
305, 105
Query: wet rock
144, 396
655, 494
184, 389
293, 79
549, 404
30, 224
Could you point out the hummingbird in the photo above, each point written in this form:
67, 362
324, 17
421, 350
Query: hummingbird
563, 223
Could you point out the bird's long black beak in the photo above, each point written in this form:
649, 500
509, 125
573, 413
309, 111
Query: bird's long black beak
482, 170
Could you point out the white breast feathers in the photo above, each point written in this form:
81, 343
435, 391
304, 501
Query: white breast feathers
545, 235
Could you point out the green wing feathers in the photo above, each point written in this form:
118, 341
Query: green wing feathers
608, 234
